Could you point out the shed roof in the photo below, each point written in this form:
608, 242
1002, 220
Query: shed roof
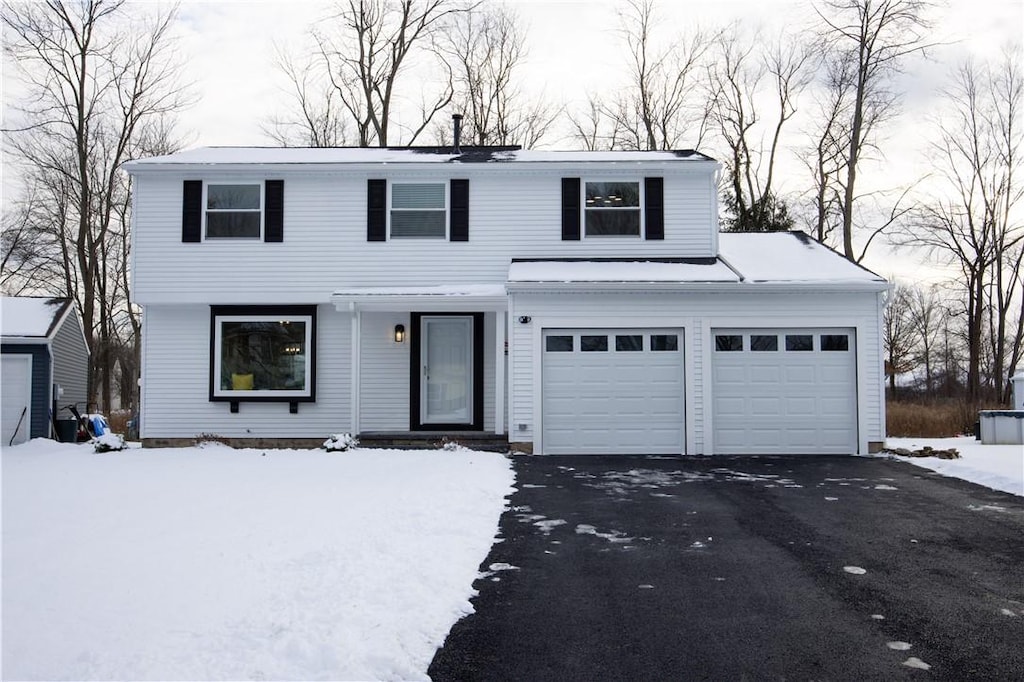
31, 317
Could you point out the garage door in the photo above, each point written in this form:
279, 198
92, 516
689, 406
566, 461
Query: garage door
16, 389
612, 391
784, 391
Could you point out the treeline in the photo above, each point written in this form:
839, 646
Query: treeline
796, 117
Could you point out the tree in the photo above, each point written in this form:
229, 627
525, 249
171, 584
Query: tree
738, 95
898, 334
484, 48
99, 81
364, 50
928, 317
866, 43
974, 222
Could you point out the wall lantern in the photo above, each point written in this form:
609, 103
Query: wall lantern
525, 319
399, 333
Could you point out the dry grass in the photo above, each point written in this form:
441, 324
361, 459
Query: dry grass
118, 421
930, 420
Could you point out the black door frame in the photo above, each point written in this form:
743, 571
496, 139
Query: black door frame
416, 379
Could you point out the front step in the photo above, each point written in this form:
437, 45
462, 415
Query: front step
432, 440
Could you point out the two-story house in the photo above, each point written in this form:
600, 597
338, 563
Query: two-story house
573, 302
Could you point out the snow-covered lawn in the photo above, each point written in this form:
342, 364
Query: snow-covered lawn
215, 564
1000, 467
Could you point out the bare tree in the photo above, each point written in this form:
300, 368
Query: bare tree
363, 50
898, 334
973, 224
318, 117
594, 129
745, 110
485, 49
928, 317
867, 42
95, 78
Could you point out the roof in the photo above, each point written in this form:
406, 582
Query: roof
29, 318
620, 271
399, 155
788, 257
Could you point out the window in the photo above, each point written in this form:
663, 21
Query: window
593, 343
728, 342
664, 342
263, 353
234, 211
835, 342
799, 342
612, 209
759, 342
629, 342
559, 344
419, 210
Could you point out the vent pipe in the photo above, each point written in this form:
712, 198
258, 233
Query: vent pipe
457, 125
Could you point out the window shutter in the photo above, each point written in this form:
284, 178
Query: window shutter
458, 228
192, 211
376, 210
654, 208
570, 209
273, 227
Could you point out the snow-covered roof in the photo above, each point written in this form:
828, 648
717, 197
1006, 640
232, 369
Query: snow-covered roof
30, 317
475, 290
395, 155
435, 297
710, 270
788, 257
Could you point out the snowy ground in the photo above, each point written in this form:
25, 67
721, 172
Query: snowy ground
1000, 467
215, 564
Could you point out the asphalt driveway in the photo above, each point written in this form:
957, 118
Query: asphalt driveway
824, 568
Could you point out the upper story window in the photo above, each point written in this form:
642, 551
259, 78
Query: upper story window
234, 211
612, 209
419, 210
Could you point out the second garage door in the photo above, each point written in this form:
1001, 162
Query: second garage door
786, 391
612, 391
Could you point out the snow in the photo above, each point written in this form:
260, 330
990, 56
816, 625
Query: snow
214, 564
618, 271
788, 257
1000, 467
437, 290
28, 316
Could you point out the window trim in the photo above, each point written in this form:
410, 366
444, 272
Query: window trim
262, 210
445, 184
305, 314
640, 208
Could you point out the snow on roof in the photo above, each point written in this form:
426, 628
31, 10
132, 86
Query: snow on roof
436, 290
619, 271
30, 316
357, 155
788, 257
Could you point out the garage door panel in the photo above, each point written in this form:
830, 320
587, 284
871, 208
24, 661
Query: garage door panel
810, 405
613, 401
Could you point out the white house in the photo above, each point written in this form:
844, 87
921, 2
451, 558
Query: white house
571, 302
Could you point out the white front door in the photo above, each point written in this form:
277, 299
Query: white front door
446, 360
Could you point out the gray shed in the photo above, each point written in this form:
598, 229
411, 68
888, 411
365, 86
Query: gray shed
45, 365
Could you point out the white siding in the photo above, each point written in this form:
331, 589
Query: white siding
176, 388
697, 313
514, 213
384, 373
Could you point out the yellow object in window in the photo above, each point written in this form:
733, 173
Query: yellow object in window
241, 382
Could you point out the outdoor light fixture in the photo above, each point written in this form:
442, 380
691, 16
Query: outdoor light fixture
399, 333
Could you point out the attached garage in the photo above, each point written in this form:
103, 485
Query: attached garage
613, 391
786, 391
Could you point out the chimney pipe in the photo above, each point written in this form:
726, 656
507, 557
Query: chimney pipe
457, 125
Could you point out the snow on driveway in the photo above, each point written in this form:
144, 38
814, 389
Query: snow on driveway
214, 564
1000, 467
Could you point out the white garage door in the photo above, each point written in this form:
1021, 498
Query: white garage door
612, 391
784, 391
15, 397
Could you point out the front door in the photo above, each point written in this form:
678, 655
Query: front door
446, 369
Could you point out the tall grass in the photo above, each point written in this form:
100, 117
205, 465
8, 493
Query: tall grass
931, 419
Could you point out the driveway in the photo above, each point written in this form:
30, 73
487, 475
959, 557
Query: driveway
824, 568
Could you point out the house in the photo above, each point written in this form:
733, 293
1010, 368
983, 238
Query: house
45, 365
571, 302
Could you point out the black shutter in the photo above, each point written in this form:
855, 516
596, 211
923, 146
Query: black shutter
376, 210
458, 228
654, 208
570, 209
192, 211
273, 228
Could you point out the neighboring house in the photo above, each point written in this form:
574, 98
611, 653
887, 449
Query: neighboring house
573, 302
45, 365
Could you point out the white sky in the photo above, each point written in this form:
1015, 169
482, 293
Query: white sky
228, 48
